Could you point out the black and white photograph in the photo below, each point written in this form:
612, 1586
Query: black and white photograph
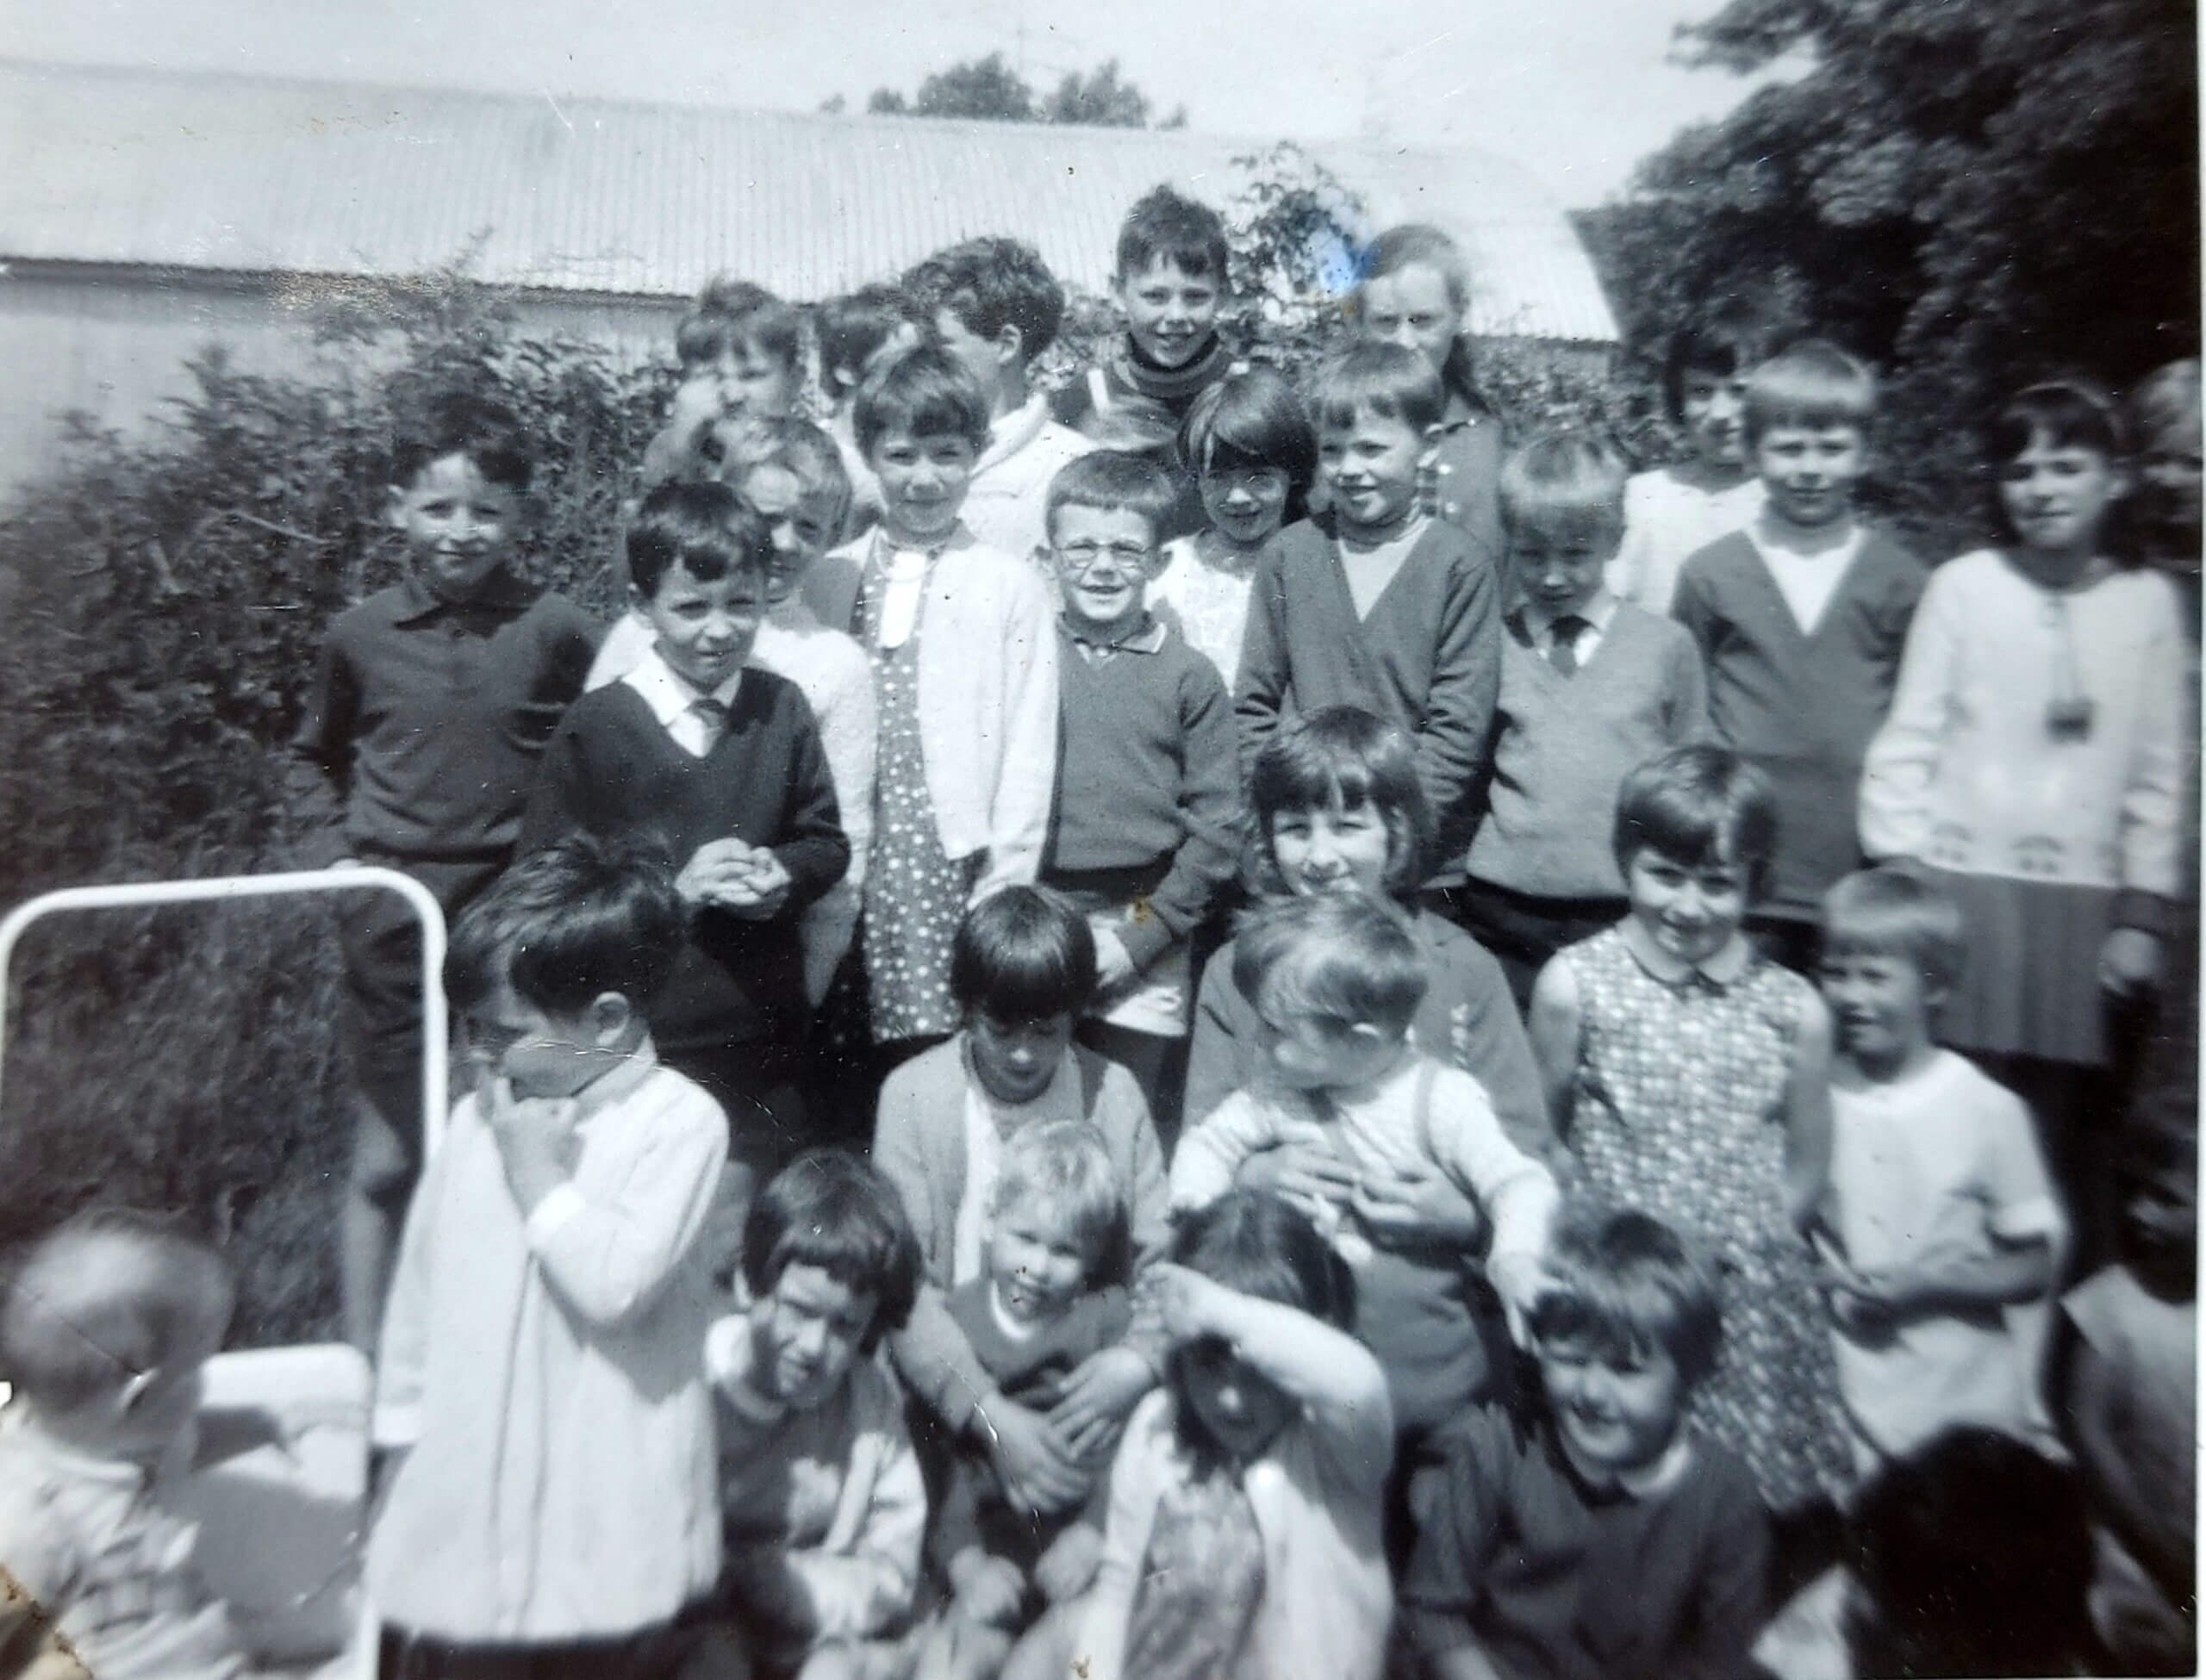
993, 841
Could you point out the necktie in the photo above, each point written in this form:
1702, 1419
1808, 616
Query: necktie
713, 713
1563, 642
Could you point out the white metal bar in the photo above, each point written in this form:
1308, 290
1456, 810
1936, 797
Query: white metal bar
350, 878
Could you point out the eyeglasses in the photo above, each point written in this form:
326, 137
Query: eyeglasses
1082, 555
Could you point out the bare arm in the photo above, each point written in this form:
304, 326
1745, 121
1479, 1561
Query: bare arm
1557, 1031
2095, 1398
1807, 1116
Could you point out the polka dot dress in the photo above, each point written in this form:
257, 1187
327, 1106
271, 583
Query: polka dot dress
915, 893
1679, 1109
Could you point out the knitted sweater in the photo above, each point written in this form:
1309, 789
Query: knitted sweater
1801, 708
1564, 744
614, 770
1427, 657
918, 1142
1147, 787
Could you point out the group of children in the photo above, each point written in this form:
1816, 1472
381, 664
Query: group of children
1410, 996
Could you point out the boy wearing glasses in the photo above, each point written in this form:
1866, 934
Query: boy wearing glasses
1142, 826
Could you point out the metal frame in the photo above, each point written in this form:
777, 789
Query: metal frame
350, 878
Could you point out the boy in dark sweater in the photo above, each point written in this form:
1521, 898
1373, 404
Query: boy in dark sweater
1590, 687
430, 703
1801, 617
1170, 281
722, 765
1142, 830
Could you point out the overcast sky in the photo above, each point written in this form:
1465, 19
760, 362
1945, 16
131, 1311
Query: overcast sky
1577, 91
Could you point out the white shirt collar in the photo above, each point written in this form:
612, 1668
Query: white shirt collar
1538, 621
673, 702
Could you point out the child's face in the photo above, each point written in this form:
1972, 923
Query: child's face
539, 1054
1324, 848
1102, 557
982, 358
1881, 1006
1690, 910
1809, 470
2057, 496
1372, 467
1015, 1060
2159, 1222
1561, 564
803, 523
1411, 307
1036, 1262
923, 483
1245, 504
744, 379
458, 525
1311, 1052
1615, 1411
1243, 1409
2168, 482
1170, 314
805, 1332
1713, 406
704, 629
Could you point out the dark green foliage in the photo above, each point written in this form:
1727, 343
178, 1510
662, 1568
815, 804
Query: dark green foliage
1970, 194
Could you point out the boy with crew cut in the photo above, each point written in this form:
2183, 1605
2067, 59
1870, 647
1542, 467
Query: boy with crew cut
995, 307
1801, 617
1170, 280
740, 351
719, 763
1142, 831
1382, 606
431, 704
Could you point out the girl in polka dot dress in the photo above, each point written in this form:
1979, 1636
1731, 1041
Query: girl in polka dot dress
1688, 1076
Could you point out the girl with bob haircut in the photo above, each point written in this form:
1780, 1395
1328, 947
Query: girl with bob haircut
1022, 969
1690, 1075
1250, 443
1337, 805
1244, 1528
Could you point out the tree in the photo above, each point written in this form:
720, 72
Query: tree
992, 92
1100, 99
1970, 193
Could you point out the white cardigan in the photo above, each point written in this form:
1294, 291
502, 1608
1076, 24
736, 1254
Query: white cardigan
988, 698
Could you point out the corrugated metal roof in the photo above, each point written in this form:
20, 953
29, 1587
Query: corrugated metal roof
230, 173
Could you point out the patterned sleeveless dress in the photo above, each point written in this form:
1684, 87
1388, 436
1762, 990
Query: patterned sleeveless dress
1678, 1108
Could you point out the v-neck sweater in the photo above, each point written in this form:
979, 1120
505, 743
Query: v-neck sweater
1802, 706
613, 771
1564, 744
1427, 658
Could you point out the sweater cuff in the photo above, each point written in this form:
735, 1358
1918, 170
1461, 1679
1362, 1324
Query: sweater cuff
1145, 937
2148, 912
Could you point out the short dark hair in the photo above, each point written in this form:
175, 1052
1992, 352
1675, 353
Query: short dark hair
1898, 911
565, 926
1022, 953
1623, 1281
1256, 1243
1729, 339
1390, 380
1115, 483
852, 330
1357, 758
1812, 383
1253, 419
705, 529
1184, 232
1973, 1555
992, 282
831, 1210
926, 392
2072, 412
732, 314
465, 423
1345, 958
1699, 805
108, 1294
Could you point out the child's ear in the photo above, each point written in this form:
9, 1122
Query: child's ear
609, 1016
637, 598
1011, 346
394, 506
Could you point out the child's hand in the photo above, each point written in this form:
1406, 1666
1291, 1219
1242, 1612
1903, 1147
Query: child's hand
1031, 1459
2129, 963
534, 1135
697, 400
1096, 1397
1309, 1173
758, 893
1187, 1303
989, 1590
1114, 966
1066, 1569
717, 868
1413, 1200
